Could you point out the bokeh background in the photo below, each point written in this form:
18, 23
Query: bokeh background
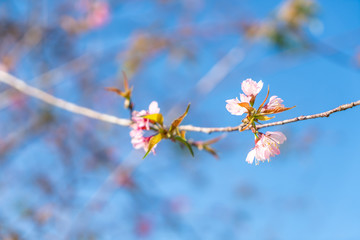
64, 176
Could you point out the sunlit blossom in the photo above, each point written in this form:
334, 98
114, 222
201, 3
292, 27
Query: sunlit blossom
266, 146
251, 88
273, 103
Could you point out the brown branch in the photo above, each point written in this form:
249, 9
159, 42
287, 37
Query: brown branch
241, 126
34, 92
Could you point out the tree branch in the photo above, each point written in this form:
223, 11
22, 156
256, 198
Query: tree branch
43, 96
296, 119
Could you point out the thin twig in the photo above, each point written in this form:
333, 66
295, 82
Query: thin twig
31, 91
5, 96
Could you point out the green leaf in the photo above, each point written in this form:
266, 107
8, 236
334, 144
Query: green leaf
177, 122
156, 117
153, 141
183, 140
263, 118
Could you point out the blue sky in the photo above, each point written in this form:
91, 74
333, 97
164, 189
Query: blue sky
309, 191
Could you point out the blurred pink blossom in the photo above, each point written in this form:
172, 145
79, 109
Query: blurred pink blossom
98, 12
266, 146
143, 226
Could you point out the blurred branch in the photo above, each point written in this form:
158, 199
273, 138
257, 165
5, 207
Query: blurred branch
34, 92
43, 96
52, 74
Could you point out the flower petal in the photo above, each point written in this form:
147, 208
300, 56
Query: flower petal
233, 107
245, 98
250, 157
278, 137
154, 107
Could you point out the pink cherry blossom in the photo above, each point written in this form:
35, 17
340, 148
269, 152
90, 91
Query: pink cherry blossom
251, 88
273, 103
233, 105
265, 147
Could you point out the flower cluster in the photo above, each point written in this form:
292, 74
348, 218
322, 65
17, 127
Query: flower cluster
251, 90
141, 124
266, 145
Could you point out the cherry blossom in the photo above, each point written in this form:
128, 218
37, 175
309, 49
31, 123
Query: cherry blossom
251, 88
138, 140
273, 103
266, 146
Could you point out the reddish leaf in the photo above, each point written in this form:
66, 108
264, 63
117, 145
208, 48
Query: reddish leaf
126, 82
276, 110
247, 106
118, 91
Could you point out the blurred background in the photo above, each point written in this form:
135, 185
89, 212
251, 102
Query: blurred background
64, 176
